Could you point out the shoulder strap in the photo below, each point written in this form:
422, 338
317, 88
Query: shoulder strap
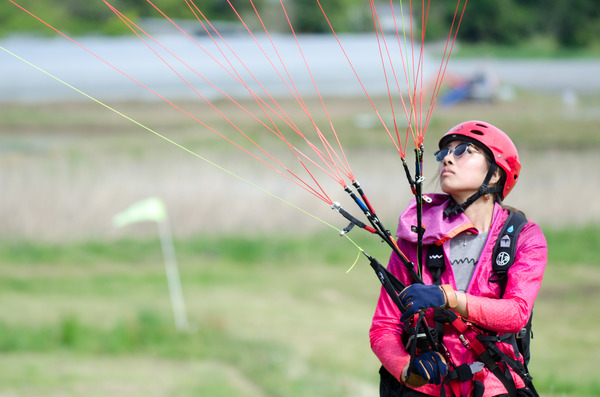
506, 246
503, 258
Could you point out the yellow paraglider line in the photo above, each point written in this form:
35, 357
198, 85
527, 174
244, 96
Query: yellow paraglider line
231, 173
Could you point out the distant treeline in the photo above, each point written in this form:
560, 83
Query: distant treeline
573, 23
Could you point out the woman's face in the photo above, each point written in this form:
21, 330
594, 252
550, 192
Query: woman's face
462, 170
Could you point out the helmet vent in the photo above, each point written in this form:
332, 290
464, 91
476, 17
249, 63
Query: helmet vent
476, 132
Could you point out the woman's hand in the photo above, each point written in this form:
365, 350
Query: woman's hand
418, 297
428, 367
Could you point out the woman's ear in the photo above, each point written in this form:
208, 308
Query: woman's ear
495, 178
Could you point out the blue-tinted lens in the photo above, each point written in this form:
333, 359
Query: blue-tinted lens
459, 150
440, 154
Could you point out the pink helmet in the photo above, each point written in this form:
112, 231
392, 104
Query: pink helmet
498, 144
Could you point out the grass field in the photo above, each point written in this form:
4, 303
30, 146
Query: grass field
273, 311
270, 316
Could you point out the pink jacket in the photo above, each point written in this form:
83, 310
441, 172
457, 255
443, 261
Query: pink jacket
508, 314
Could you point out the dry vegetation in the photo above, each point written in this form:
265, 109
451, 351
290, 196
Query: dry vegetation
69, 167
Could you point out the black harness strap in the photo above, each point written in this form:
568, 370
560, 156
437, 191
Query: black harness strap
503, 258
506, 248
435, 262
390, 283
436, 265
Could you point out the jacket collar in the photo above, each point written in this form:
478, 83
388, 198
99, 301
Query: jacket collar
438, 228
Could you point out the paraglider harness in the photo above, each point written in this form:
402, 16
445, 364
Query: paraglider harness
419, 337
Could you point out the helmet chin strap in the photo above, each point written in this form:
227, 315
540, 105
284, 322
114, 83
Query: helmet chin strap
455, 209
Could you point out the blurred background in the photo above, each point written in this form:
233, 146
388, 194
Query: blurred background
269, 306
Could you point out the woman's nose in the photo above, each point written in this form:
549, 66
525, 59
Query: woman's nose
448, 158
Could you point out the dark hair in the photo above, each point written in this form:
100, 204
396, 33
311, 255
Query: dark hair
498, 195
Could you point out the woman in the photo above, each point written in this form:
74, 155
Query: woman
479, 166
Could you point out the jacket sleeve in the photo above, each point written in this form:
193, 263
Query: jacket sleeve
386, 329
511, 313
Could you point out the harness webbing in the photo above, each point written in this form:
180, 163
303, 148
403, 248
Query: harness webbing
485, 346
393, 286
485, 355
506, 248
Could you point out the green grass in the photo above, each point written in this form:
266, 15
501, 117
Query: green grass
574, 245
256, 315
540, 47
247, 250
570, 245
270, 316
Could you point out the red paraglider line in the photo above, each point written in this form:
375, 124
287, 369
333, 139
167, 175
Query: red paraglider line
299, 181
130, 24
446, 55
356, 75
328, 161
335, 163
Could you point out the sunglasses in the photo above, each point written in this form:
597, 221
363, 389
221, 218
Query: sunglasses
458, 151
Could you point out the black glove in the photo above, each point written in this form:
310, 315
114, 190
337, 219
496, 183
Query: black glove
431, 366
418, 296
